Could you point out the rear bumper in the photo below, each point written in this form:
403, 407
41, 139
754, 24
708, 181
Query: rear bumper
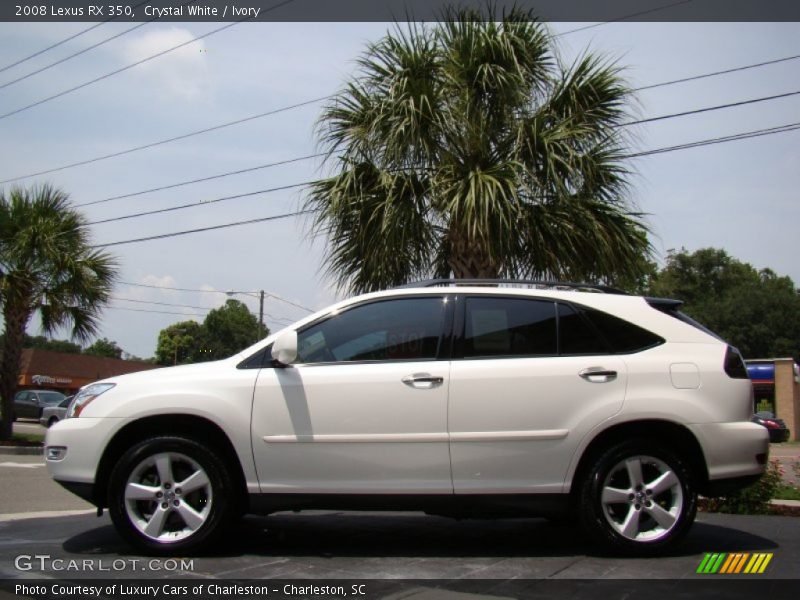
733, 450
724, 487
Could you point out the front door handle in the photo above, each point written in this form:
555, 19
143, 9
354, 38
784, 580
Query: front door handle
422, 381
598, 375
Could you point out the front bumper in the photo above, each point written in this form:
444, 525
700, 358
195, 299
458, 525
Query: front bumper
85, 491
84, 439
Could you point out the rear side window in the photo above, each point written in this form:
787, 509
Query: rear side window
622, 336
509, 327
576, 334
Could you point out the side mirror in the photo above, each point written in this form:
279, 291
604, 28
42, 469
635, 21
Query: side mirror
284, 349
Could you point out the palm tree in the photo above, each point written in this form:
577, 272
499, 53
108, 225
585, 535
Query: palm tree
47, 266
466, 148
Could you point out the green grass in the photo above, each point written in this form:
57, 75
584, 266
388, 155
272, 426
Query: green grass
787, 492
35, 438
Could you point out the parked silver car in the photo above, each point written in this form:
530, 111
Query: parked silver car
53, 414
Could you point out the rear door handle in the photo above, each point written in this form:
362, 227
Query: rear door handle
422, 381
598, 375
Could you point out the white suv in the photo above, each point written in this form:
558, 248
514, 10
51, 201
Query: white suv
462, 398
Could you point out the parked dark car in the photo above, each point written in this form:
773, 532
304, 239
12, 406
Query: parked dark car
28, 404
53, 414
778, 432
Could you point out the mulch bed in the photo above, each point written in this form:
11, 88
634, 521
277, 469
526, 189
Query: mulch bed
774, 509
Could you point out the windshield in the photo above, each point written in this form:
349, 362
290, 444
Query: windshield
51, 397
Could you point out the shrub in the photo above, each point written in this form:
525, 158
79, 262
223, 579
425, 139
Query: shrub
754, 499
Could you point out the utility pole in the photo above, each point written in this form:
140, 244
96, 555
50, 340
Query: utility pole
260, 314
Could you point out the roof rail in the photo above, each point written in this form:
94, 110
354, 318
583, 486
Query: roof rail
534, 283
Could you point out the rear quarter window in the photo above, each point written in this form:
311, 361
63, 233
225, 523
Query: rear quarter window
622, 336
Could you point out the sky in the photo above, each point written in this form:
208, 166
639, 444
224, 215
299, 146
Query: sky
741, 196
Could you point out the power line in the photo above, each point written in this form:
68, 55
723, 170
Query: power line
200, 229
116, 71
305, 103
65, 40
161, 312
168, 140
200, 203
56, 45
267, 315
137, 63
719, 140
715, 73
162, 303
306, 183
178, 289
191, 181
734, 137
618, 19
71, 56
710, 108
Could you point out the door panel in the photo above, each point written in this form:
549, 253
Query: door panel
518, 409
515, 423
351, 429
365, 411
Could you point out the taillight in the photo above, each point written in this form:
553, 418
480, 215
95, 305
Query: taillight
771, 424
734, 364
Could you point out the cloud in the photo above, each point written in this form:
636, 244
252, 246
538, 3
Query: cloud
182, 72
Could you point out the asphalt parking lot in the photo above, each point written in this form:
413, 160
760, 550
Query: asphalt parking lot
397, 545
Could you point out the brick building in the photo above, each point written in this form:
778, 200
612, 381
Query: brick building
66, 373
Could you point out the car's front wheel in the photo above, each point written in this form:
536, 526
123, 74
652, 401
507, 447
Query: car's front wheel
638, 498
170, 495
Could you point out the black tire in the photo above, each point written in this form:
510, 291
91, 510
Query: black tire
215, 501
604, 522
52, 421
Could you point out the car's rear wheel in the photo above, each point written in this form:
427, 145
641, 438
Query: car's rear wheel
169, 495
638, 498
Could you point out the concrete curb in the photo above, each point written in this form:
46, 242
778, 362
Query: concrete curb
22, 450
45, 514
785, 502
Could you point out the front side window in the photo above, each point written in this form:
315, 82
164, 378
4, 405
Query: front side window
509, 327
387, 330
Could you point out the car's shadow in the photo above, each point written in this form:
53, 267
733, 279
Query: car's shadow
411, 535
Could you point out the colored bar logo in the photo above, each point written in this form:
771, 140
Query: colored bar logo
734, 563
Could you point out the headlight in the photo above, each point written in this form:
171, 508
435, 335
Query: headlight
85, 396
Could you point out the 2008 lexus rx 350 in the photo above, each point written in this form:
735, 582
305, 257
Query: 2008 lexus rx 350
452, 397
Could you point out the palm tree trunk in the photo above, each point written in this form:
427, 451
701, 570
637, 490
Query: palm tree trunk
16, 320
470, 258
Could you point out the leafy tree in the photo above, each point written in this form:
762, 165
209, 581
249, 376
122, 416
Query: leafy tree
467, 148
40, 341
230, 329
104, 347
755, 310
224, 332
180, 343
47, 266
